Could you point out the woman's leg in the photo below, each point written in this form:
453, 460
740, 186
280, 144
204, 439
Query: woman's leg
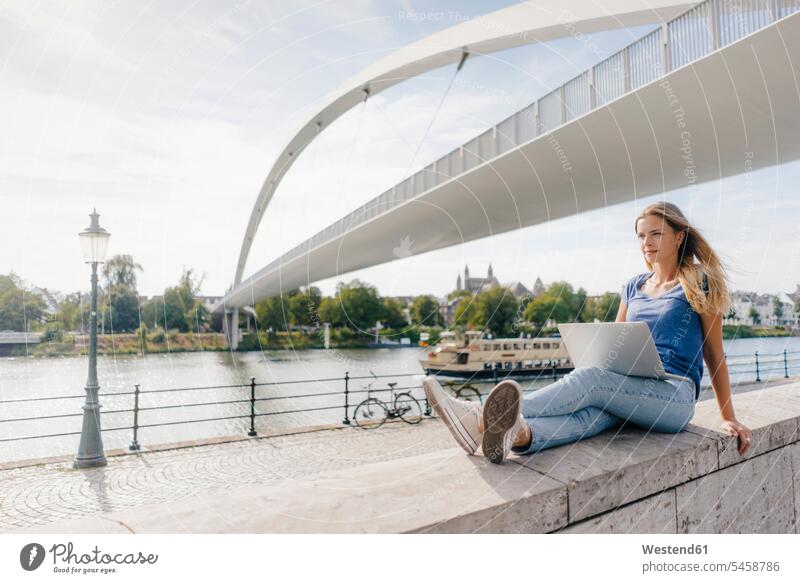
557, 430
608, 399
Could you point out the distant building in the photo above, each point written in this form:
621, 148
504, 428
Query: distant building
476, 284
763, 306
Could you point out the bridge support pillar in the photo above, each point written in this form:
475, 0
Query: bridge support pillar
230, 326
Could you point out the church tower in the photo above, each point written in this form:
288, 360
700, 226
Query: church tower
458, 282
490, 273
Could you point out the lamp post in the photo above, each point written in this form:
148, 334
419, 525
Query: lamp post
94, 241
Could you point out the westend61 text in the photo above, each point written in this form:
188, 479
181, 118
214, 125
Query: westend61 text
64, 552
672, 550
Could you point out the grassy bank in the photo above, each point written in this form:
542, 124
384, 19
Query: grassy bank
729, 332
161, 342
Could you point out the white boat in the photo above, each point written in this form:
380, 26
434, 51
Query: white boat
473, 355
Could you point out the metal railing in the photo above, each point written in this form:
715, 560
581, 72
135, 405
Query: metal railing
696, 33
761, 364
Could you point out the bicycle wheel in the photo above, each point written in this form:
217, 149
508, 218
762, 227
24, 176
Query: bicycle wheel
408, 408
469, 393
371, 414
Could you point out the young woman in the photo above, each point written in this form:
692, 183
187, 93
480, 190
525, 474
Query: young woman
682, 297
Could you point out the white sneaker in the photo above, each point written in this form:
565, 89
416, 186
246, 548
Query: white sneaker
502, 420
460, 417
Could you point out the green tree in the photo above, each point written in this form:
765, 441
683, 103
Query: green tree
496, 309
179, 307
304, 306
19, 309
275, 312
425, 311
73, 313
459, 293
356, 306
331, 312
754, 315
119, 304
120, 270
392, 315
465, 311
121, 311
557, 302
777, 308
605, 307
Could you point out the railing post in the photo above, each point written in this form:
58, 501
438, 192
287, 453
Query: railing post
252, 431
758, 374
346, 420
427, 403
785, 368
553, 364
134, 446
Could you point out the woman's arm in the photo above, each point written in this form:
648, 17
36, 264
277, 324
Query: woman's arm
714, 357
622, 313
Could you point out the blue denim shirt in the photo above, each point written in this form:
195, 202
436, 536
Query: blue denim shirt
674, 325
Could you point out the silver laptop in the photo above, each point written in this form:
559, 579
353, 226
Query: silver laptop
623, 347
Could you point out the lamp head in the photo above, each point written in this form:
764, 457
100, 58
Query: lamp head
94, 240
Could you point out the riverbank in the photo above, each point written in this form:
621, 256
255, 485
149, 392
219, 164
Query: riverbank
159, 342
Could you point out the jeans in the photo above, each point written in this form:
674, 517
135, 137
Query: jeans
589, 400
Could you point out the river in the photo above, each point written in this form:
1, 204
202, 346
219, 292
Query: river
311, 372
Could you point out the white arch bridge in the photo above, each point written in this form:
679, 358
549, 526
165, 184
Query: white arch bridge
711, 93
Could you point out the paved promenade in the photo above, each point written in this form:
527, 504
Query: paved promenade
51, 492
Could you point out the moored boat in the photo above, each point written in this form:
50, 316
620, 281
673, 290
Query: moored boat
472, 355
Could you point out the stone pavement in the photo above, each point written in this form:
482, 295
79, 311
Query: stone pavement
52, 492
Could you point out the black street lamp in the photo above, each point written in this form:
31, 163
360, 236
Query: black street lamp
94, 241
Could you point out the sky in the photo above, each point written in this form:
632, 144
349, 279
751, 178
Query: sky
166, 117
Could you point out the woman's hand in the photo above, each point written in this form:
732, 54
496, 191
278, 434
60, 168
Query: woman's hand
733, 427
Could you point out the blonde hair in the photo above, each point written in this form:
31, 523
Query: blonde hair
690, 273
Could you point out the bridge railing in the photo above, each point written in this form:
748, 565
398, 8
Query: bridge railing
244, 402
701, 30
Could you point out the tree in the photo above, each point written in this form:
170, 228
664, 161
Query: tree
180, 308
304, 307
557, 302
754, 315
392, 315
496, 309
605, 307
121, 312
73, 313
19, 310
330, 311
356, 306
275, 312
425, 311
777, 308
120, 270
459, 293
465, 311
119, 305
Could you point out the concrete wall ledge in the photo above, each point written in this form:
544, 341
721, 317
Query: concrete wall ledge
625, 481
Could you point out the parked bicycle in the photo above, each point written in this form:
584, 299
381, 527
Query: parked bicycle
464, 391
373, 412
